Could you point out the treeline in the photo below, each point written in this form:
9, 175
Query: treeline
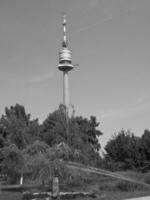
34, 150
126, 151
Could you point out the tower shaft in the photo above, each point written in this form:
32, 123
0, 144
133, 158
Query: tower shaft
66, 90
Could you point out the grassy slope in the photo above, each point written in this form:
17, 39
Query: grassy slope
106, 188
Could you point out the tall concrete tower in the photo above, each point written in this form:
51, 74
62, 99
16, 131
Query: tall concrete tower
65, 65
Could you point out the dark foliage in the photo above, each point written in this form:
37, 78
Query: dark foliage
78, 132
125, 151
17, 128
33, 150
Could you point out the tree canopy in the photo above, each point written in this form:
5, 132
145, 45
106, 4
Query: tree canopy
129, 151
17, 128
33, 149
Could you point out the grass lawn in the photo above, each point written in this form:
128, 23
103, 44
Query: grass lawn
104, 195
122, 195
106, 188
10, 196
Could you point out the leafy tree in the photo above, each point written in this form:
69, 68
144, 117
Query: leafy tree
90, 132
54, 128
125, 148
77, 132
146, 144
12, 162
42, 160
35, 150
145, 150
17, 128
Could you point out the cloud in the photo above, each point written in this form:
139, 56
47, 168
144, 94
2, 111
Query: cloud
42, 77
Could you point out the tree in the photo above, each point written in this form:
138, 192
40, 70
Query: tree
35, 150
77, 132
90, 132
12, 162
54, 128
124, 148
146, 143
17, 128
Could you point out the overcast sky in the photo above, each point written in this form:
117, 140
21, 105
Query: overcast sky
109, 39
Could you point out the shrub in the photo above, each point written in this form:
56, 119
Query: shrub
114, 166
108, 186
128, 186
147, 178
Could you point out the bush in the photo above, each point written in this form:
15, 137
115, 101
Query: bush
114, 166
147, 178
128, 186
107, 186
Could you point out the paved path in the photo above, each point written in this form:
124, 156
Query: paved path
139, 198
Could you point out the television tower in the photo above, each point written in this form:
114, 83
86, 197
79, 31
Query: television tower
65, 65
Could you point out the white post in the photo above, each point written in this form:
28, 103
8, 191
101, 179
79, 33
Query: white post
21, 179
55, 185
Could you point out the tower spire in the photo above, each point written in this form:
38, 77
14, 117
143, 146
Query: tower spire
64, 43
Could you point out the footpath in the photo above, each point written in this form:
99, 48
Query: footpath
139, 198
